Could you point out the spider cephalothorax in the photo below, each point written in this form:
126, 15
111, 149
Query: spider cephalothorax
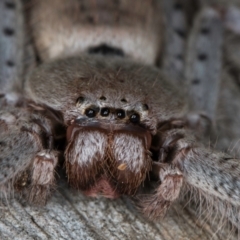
110, 121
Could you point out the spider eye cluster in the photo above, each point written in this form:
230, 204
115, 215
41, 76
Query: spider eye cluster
133, 117
93, 110
119, 113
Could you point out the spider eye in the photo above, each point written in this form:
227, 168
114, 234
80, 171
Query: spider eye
91, 112
120, 113
105, 112
80, 100
103, 98
135, 118
145, 107
123, 100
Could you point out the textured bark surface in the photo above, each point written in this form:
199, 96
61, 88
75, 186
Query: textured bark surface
70, 215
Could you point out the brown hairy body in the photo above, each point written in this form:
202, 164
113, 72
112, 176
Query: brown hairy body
128, 129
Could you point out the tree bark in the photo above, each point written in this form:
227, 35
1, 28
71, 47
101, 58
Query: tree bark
70, 215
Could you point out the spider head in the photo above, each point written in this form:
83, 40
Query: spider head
108, 148
112, 108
